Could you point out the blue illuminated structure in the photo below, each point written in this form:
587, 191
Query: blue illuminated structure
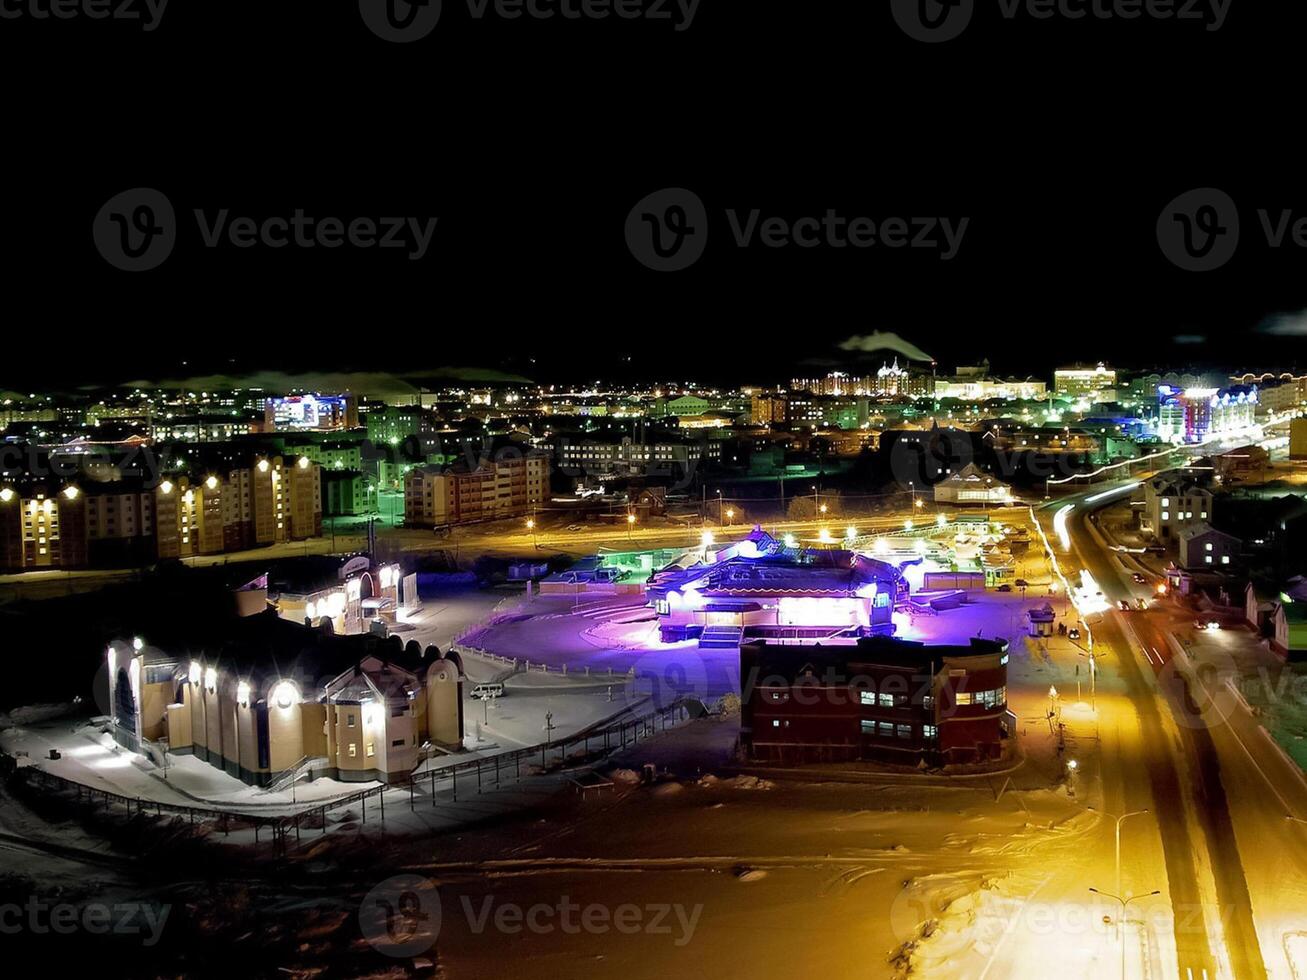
762, 588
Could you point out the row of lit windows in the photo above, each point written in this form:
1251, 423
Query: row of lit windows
890, 729
987, 699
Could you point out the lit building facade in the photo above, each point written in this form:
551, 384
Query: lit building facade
1092, 384
42, 526
310, 411
1172, 502
266, 700
508, 486
1195, 414
762, 588
879, 699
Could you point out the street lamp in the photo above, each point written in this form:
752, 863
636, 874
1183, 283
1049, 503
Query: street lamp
1119, 820
630, 523
1125, 902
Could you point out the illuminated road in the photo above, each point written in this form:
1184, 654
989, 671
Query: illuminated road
1203, 740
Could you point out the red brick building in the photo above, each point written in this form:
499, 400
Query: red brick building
882, 699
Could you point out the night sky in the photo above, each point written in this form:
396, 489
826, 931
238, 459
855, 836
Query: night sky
531, 141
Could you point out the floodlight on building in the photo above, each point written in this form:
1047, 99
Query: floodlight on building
137, 643
194, 674
304, 463
284, 694
211, 482
210, 679
47, 506
6, 495
71, 492
166, 487
243, 693
263, 466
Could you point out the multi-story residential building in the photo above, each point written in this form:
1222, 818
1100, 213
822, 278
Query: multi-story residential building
657, 454
198, 428
412, 425
981, 389
344, 492
828, 411
1281, 395
42, 525
768, 408
260, 501
1172, 501
508, 485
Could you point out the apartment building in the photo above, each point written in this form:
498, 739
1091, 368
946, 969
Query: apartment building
42, 525
1172, 501
508, 486
261, 501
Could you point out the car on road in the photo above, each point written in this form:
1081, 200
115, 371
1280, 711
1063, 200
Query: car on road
1073, 634
575, 527
1142, 604
1125, 605
1139, 578
1005, 588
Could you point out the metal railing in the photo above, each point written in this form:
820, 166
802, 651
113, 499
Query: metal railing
604, 737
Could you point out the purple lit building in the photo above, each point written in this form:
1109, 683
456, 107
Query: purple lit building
759, 587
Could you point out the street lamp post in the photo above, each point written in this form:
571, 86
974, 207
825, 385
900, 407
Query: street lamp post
1125, 902
1120, 820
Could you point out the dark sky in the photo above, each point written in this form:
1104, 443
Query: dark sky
1062, 141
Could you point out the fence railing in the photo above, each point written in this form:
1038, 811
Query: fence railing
605, 737
520, 665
